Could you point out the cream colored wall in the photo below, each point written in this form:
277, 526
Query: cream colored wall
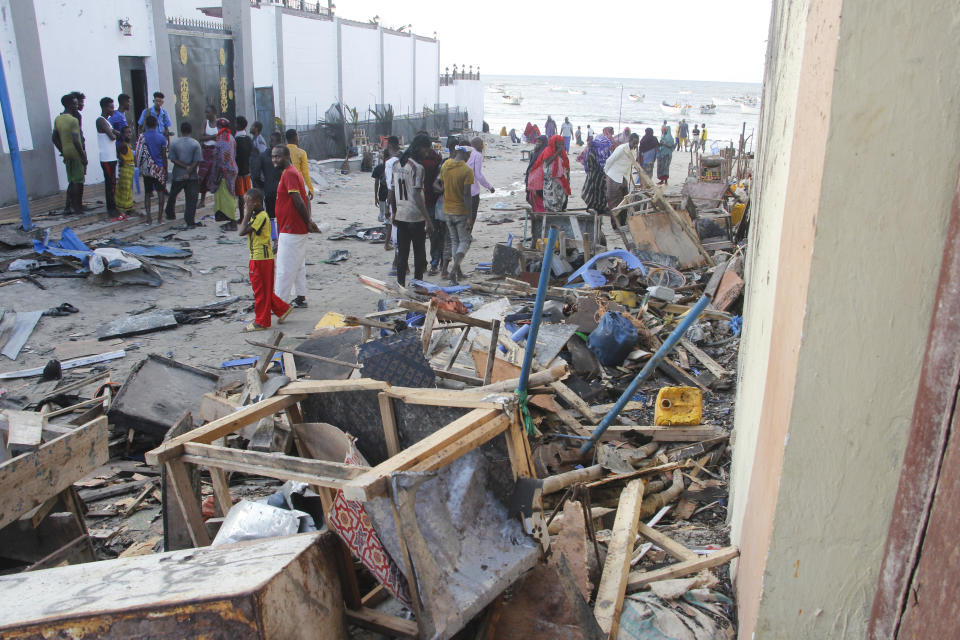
872, 169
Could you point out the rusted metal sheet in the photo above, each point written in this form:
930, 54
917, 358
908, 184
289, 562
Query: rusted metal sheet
275, 589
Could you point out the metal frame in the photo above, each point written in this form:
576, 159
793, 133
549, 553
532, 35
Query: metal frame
491, 416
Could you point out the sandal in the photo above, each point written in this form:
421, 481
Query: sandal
69, 308
283, 317
253, 326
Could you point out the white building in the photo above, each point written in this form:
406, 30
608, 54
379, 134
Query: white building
260, 59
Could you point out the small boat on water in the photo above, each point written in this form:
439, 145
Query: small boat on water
752, 110
723, 102
708, 109
675, 109
558, 89
516, 100
495, 89
576, 92
635, 98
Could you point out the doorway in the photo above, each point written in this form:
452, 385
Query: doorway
133, 82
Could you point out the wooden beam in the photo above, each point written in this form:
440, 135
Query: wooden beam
575, 401
266, 358
443, 314
459, 377
492, 353
371, 482
616, 569
221, 490
189, 507
303, 387
428, 322
30, 479
712, 365
222, 427
640, 579
666, 543
316, 472
556, 372
468, 399
383, 623
669, 433
456, 350
389, 420
467, 443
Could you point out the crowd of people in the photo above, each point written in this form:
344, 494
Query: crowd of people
251, 182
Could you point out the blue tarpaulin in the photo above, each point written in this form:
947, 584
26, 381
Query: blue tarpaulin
596, 279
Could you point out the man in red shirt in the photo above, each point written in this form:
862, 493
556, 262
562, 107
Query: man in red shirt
293, 225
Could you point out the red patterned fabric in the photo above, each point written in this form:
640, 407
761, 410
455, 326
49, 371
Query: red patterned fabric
352, 524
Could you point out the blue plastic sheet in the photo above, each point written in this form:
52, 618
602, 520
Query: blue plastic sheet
596, 279
150, 251
69, 245
432, 287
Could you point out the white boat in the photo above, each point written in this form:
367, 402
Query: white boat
635, 98
495, 89
748, 109
708, 109
558, 89
576, 92
723, 102
670, 109
512, 100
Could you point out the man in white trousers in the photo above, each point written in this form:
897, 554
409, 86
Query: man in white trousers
293, 225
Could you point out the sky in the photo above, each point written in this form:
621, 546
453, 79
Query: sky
680, 39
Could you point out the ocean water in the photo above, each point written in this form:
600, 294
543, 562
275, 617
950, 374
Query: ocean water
600, 105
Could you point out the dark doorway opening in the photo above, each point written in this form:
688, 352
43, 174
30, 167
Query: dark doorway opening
133, 82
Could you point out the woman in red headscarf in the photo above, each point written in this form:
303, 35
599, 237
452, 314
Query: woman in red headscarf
223, 174
554, 164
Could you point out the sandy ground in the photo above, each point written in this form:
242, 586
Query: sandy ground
342, 200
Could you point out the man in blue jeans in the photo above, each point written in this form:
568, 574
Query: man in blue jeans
185, 154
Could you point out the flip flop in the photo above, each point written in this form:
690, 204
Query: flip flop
285, 314
69, 308
253, 326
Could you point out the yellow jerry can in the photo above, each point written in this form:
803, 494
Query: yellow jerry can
678, 406
626, 298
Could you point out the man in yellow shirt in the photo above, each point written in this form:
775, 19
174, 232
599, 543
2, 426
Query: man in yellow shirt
456, 177
298, 158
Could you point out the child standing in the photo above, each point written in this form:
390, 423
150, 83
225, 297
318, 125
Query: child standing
256, 225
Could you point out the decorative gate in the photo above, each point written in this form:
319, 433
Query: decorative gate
202, 57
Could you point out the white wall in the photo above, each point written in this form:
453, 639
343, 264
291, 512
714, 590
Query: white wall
92, 67
266, 70
428, 75
466, 94
361, 63
397, 80
310, 68
11, 68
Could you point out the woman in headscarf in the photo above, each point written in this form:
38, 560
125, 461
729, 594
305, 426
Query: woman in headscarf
664, 156
647, 151
554, 167
550, 127
594, 186
534, 176
603, 146
223, 174
208, 142
528, 133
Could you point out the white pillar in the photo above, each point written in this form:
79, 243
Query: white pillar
380, 61
413, 72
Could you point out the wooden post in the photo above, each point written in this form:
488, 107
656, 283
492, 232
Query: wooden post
189, 507
428, 323
221, 490
616, 569
389, 420
457, 348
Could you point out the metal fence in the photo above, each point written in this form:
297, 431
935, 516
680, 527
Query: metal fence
325, 139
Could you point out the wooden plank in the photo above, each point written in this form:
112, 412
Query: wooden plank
616, 569
221, 490
370, 483
712, 365
189, 507
428, 322
459, 377
303, 387
668, 434
213, 407
289, 365
319, 472
24, 429
389, 420
680, 309
443, 314
383, 623
492, 352
502, 369
266, 358
640, 579
666, 543
468, 399
461, 446
222, 427
518, 450
680, 376
575, 401
456, 349
31, 479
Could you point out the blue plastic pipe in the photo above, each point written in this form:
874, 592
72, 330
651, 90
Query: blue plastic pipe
15, 162
665, 348
537, 310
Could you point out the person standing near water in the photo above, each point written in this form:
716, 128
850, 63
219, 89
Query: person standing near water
683, 133
664, 156
550, 128
579, 137
618, 169
703, 138
647, 151
566, 130
457, 179
695, 140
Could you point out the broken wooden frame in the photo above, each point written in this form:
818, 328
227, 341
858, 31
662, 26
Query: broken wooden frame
490, 416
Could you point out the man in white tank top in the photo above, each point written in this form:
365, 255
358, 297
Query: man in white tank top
107, 145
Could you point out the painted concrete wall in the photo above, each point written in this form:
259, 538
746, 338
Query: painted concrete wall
858, 258
310, 68
93, 68
428, 76
361, 67
266, 71
397, 79
467, 94
11, 69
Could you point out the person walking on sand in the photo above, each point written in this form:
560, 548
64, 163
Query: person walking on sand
647, 151
151, 159
299, 159
475, 162
603, 146
683, 135
208, 142
457, 177
579, 137
664, 157
293, 225
107, 147
695, 139
125, 170
566, 130
67, 140
223, 175
618, 171
271, 178
703, 138
244, 151
185, 156
676, 145
411, 219
533, 178
431, 161
589, 132
550, 127
553, 165
256, 226
380, 191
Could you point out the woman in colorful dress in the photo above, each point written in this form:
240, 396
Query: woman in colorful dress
125, 171
223, 175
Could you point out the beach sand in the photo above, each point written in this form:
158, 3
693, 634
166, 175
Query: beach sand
331, 287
